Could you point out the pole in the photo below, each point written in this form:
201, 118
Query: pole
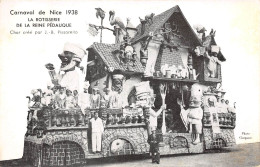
117, 34
101, 30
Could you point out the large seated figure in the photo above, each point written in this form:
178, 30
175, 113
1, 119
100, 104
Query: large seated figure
71, 58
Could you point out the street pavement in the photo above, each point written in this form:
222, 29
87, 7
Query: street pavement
243, 155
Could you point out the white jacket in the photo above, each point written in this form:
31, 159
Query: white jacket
97, 125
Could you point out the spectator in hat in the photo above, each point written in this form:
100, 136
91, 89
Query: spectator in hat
60, 98
107, 97
48, 94
97, 129
84, 98
229, 108
71, 58
76, 96
95, 98
153, 140
213, 115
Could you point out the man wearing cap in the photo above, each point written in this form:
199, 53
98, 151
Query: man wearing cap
229, 108
60, 98
48, 94
71, 58
95, 98
70, 100
213, 115
107, 97
97, 129
84, 98
154, 146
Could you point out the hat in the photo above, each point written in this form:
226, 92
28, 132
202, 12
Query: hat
77, 50
86, 85
200, 28
143, 94
210, 100
142, 88
118, 76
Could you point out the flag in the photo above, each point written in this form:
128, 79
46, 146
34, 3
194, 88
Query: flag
92, 30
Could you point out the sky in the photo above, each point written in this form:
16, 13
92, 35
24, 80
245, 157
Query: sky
23, 56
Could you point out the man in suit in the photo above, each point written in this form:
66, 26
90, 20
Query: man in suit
153, 140
97, 129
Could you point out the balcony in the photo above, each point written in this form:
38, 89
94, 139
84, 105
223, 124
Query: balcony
49, 119
225, 120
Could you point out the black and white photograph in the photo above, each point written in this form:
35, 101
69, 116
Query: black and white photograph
129, 83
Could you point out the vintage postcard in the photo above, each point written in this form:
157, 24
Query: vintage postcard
88, 82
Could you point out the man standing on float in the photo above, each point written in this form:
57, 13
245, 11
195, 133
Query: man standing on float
97, 129
84, 99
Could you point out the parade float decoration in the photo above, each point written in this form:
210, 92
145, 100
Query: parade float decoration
163, 59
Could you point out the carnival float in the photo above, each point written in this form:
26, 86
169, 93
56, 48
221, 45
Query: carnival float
161, 62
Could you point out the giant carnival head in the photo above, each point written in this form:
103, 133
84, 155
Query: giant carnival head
144, 94
71, 52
